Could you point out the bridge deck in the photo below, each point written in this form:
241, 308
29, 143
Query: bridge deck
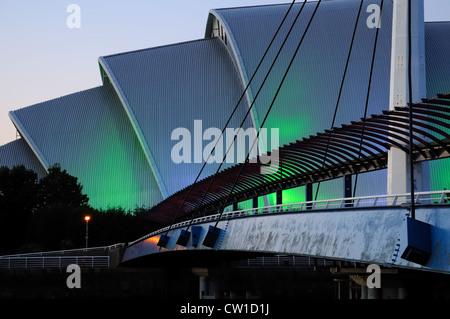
372, 231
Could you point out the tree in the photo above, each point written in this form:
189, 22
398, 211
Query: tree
61, 206
41, 213
18, 188
48, 214
58, 188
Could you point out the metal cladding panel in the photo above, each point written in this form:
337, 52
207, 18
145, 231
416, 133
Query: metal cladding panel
307, 100
168, 88
437, 56
438, 81
19, 153
89, 134
311, 88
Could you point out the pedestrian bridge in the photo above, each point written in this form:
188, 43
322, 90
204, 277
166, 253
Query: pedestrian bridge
373, 229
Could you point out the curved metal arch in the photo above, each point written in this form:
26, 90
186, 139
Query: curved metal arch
313, 161
423, 118
365, 129
251, 181
297, 155
339, 148
356, 140
387, 125
415, 123
342, 166
415, 129
288, 164
375, 142
317, 150
428, 112
394, 129
379, 135
429, 107
294, 149
346, 144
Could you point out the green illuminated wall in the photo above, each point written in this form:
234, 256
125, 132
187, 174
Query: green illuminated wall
294, 195
89, 134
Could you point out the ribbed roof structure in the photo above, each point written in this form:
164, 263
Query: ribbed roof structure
117, 138
169, 87
89, 134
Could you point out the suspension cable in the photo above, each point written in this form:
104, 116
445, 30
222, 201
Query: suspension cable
340, 90
411, 164
368, 93
248, 112
268, 111
232, 113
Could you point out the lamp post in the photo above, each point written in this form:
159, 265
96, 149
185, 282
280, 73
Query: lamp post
87, 218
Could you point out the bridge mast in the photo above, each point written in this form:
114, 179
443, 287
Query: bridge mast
398, 179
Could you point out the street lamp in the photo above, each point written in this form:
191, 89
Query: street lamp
87, 218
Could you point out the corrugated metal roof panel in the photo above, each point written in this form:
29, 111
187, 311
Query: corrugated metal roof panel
307, 100
312, 86
19, 153
168, 88
438, 81
437, 57
89, 134
310, 91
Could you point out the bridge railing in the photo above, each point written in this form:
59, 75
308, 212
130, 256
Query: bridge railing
421, 198
93, 251
54, 262
94, 257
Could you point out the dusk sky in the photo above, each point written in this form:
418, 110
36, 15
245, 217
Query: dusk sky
41, 58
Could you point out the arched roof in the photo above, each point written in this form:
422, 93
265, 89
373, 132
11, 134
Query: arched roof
89, 134
316, 73
149, 93
169, 87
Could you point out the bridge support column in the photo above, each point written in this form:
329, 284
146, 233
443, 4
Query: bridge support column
255, 202
398, 177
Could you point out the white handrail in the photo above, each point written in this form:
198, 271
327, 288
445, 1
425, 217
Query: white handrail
340, 203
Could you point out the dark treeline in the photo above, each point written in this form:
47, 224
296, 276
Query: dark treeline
48, 214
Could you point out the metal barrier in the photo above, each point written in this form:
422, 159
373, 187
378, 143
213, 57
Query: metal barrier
421, 198
288, 261
93, 251
94, 257
54, 262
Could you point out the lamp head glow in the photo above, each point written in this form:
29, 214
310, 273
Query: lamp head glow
87, 218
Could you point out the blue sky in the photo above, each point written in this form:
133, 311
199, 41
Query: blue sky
41, 58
